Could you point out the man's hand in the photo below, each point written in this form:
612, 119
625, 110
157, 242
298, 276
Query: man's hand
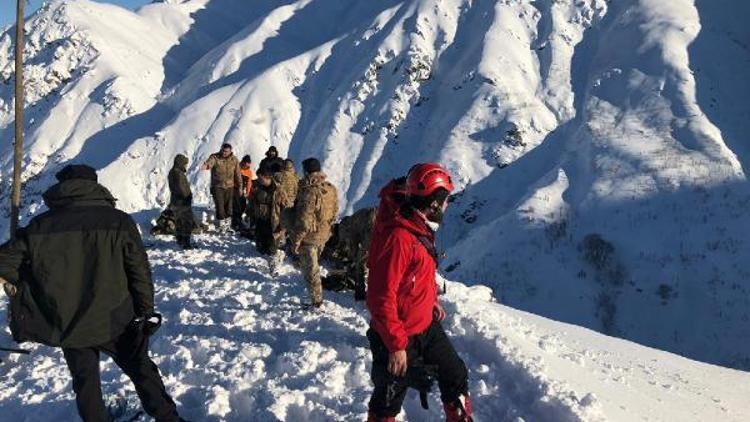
10, 289
295, 249
397, 363
205, 166
439, 312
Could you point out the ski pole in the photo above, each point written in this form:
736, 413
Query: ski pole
12, 350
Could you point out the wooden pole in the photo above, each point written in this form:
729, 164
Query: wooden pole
15, 202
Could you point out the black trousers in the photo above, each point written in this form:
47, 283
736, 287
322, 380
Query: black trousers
239, 204
223, 200
265, 241
184, 220
130, 353
430, 348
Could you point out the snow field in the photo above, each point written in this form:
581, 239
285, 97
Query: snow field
237, 345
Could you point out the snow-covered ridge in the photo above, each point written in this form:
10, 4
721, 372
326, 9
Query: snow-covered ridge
236, 346
599, 184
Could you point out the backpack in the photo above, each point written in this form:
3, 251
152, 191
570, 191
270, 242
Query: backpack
165, 224
327, 208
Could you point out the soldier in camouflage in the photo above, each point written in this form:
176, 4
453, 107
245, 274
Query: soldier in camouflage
288, 184
264, 209
315, 211
353, 243
226, 183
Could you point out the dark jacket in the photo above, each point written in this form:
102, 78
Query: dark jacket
272, 164
179, 187
265, 205
81, 270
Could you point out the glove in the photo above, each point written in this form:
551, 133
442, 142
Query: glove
148, 324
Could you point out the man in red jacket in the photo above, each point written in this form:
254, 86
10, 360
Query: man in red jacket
402, 298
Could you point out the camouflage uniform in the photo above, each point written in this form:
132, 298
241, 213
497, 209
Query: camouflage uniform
353, 244
264, 209
315, 212
225, 181
288, 185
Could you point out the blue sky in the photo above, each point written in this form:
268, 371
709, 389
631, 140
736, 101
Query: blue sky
8, 8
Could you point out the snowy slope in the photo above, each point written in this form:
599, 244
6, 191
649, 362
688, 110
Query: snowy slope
237, 346
598, 145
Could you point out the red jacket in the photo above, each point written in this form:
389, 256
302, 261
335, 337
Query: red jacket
401, 291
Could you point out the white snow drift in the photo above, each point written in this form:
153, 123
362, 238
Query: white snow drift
236, 345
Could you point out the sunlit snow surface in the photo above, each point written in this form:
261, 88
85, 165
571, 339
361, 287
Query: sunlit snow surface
236, 345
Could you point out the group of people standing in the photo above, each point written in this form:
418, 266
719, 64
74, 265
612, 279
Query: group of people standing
276, 208
78, 276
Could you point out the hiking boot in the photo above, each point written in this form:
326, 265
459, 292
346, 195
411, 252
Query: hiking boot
359, 295
314, 306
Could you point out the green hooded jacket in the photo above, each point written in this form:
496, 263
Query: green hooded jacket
81, 270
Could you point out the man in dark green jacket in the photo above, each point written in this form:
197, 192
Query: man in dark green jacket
82, 282
181, 201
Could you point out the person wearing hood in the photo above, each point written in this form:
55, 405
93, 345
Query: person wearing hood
273, 163
315, 212
181, 201
82, 282
405, 326
226, 183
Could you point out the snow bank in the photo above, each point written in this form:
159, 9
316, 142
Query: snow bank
237, 345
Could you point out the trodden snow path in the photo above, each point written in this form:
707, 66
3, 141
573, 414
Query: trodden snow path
237, 345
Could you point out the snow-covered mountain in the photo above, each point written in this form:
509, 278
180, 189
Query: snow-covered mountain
598, 145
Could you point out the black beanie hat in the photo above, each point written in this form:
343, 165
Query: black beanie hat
311, 165
77, 171
246, 159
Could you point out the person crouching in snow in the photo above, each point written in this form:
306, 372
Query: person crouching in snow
264, 210
402, 299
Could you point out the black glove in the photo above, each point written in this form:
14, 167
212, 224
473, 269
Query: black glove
148, 324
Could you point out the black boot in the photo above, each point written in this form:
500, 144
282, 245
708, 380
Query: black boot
359, 294
184, 242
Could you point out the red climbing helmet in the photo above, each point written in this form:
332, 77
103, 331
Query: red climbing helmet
426, 178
